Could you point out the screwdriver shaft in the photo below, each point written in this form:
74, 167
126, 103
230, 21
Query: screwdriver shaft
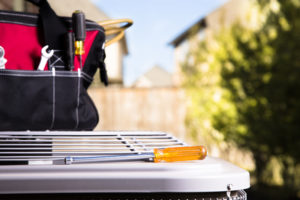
112, 158
171, 154
80, 61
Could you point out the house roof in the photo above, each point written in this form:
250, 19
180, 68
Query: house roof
200, 24
155, 77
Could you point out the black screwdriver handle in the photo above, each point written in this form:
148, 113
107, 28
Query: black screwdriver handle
78, 20
70, 50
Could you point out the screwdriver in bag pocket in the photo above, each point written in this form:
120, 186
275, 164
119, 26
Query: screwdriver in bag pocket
78, 22
171, 154
70, 48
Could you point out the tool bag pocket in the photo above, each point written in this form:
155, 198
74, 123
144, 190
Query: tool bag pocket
57, 102
22, 38
56, 98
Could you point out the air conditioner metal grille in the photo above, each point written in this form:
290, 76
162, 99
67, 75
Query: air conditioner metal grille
49, 146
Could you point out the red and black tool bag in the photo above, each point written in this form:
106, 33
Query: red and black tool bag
56, 98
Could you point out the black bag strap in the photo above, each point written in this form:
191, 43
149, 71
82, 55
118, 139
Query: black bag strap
54, 29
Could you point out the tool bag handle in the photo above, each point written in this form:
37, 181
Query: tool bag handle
54, 29
115, 27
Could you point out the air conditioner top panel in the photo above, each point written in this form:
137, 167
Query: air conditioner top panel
42, 175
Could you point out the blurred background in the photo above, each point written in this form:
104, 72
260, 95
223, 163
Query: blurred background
220, 73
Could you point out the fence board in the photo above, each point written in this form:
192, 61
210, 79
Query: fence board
157, 109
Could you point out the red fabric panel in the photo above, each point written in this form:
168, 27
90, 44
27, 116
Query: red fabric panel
23, 49
21, 45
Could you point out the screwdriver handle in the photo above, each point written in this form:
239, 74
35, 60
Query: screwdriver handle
70, 49
174, 154
78, 19
79, 29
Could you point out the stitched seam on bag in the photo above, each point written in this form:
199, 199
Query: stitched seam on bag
25, 75
94, 29
20, 23
19, 14
53, 100
59, 66
78, 95
36, 73
41, 74
13, 71
57, 59
27, 24
30, 75
87, 77
88, 80
86, 22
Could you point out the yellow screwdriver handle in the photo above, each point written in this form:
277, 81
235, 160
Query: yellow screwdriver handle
173, 154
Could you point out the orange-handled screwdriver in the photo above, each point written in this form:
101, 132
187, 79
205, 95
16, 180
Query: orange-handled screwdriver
171, 154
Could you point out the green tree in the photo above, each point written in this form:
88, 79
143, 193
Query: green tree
256, 70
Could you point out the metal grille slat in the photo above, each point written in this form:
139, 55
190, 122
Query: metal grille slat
40, 146
78, 136
85, 148
108, 145
85, 144
88, 133
79, 140
62, 156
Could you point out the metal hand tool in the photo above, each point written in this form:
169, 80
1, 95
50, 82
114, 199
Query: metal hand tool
2, 59
171, 154
78, 22
44, 58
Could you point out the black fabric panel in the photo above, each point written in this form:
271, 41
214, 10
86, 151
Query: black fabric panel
65, 103
103, 72
37, 100
25, 103
53, 27
88, 115
29, 19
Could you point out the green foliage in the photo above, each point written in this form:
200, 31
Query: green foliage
246, 82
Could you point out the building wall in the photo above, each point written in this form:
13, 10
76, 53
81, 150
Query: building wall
226, 15
159, 109
180, 54
114, 62
222, 17
6, 5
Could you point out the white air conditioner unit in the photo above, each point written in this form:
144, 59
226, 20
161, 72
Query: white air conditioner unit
32, 167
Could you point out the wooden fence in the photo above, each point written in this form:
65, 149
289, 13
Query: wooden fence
155, 109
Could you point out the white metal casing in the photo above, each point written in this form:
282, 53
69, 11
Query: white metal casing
208, 175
